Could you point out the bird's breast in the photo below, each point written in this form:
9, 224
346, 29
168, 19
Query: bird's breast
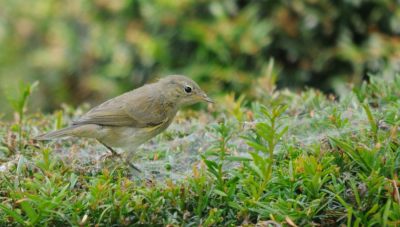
127, 137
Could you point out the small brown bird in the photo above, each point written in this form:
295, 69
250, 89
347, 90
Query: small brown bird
131, 119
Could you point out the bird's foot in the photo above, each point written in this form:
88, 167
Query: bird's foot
108, 155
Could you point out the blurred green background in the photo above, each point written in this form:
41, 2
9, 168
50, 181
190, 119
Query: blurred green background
93, 50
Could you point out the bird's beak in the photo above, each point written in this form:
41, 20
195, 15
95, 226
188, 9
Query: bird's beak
204, 98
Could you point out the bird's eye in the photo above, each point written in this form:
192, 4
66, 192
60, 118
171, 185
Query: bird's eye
188, 89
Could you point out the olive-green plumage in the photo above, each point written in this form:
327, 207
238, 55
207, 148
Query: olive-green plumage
131, 119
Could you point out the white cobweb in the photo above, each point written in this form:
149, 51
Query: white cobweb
177, 156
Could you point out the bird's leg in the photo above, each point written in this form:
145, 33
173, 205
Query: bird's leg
129, 157
113, 153
134, 167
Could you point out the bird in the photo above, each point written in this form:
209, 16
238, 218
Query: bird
135, 117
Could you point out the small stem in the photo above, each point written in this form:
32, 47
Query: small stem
221, 158
271, 153
199, 211
20, 129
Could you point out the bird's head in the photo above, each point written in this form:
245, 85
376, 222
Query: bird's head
183, 90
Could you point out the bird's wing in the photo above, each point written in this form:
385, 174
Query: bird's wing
129, 109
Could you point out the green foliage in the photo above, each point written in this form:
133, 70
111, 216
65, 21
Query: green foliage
19, 100
269, 132
312, 162
94, 50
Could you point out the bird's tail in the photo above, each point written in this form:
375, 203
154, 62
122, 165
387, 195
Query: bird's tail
68, 131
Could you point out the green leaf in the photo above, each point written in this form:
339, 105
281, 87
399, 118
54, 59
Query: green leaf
17, 217
265, 111
239, 159
219, 192
73, 181
281, 110
235, 173
386, 211
210, 164
343, 202
372, 210
105, 210
232, 186
258, 160
282, 132
370, 118
211, 153
211, 167
20, 164
349, 216
235, 205
257, 170
53, 162
59, 119
357, 223
29, 210
342, 145
264, 135
258, 147
354, 187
